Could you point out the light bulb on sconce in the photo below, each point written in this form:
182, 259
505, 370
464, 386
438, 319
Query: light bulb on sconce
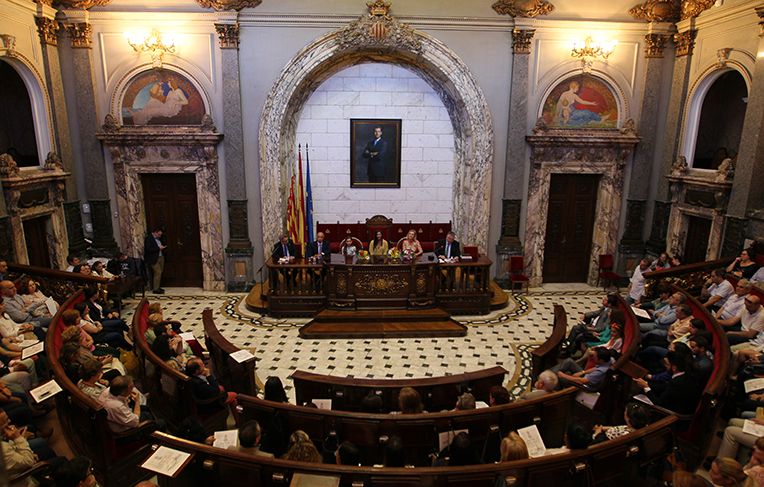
590, 50
155, 43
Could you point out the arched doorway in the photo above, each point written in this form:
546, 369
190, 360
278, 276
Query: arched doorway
17, 130
721, 121
378, 37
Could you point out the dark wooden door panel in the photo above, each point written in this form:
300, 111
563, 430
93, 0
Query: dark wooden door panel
570, 223
171, 203
696, 243
36, 237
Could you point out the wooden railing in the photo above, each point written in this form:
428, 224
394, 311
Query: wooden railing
545, 355
234, 376
622, 461
689, 277
437, 393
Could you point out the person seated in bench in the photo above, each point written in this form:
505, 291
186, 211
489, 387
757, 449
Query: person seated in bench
302, 449
569, 372
21, 449
78, 348
664, 316
170, 350
591, 325
13, 333
498, 395
409, 401
634, 415
122, 402
249, 440
36, 314
460, 452
750, 318
99, 313
734, 304
716, 291
205, 388
111, 335
33, 298
77, 472
513, 447
664, 294
547, 382
682, 392
372, 403
348, 454
465, 402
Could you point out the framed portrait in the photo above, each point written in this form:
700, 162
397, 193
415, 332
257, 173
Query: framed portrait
375, 153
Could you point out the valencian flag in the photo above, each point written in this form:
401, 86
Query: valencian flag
300, 205
291, 211
308, 197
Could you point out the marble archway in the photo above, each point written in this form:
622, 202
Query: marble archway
379, 37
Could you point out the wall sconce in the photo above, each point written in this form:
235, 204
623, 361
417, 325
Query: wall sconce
591, 51
155, 43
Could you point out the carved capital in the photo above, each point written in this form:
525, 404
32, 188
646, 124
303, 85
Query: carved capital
521, 40
228, 35
48, 30
657, 11
685, 42
693, 8
81, 4
522, 8
81, 35
53, 162
8, 167
654, 45
229, 4
629, 127
760, 13
722, 56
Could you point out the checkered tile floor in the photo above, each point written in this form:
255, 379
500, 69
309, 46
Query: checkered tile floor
503, 338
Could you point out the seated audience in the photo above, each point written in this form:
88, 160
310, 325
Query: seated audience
409, 401
83, 269
109, 332
3, 270
372, 403
32, 297
169, 351
726, 472
717, 290
744, 266
465, 402
249, 440
18, 311
702, 361
72, 260
498, 395
513, 448
99, 269
758, 277
664, 316
755, 466
750, 318
208, 394
91, 382
98, 312
274, 390
615, 344
734, 303
547, 382
662, 262
664, 293
682, 391
379, 245
459, 452
635, 417
116, 400
591, 325
680, 478
578, 436
302, 449
123, 266
348, 454
395, 452
637, 281
570, 372
77, 472
13, 333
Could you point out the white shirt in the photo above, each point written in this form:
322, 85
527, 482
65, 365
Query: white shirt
724, 290
752, 321
732, 307
637, 284
8, 327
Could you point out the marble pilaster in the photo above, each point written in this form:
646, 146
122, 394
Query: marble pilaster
6, 241
181, 150
585, 152
747, 197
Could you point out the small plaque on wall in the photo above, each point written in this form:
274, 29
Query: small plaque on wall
375, 153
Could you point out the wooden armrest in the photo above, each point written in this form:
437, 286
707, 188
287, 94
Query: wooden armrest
36, 469
143, 427
220, 399
668, 412
633, 370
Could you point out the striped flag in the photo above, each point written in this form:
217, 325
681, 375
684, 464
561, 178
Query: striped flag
291, 211
308, 197
301, 230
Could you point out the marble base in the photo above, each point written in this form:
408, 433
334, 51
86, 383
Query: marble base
582, 152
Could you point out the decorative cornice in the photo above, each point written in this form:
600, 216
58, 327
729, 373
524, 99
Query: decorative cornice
48, 30
229, 4
81, 35
693, 8
81, 4
521, 40
522, 8
228, 35
685, 42
657, 11
654, 45
760, 13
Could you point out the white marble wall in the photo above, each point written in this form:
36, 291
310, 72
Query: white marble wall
427, 152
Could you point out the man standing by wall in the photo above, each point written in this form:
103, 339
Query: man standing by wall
153, 255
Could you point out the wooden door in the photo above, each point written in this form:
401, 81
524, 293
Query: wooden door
570, 223
696, 243
170, 202
36, 237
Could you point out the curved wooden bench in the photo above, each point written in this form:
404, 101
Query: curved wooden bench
621, 461
84, 421
58, 284
437, 393
690, 277
418, 431
234, 376
545, 355
170, 395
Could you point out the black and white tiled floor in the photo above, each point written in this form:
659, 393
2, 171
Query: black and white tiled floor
503, 338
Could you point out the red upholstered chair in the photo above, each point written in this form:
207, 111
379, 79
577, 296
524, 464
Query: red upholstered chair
517, 272
357, 242
606, 273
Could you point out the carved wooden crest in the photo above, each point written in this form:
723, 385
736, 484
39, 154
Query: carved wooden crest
657, 11
523, 8
378, 29
229, 4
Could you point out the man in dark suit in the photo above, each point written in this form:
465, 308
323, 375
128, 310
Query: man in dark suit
449, 247
320, 247
682, 392
283, 248
204, 387
591, 325
153, 255
376, 154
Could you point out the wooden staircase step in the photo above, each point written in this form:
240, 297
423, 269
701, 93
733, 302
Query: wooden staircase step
383, 324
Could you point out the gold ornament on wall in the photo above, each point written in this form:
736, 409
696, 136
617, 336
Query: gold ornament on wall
81, 35
523, 8
693, 8
229, 4
81, 4
657, 11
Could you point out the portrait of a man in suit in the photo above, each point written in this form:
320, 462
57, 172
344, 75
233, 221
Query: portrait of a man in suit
375, 153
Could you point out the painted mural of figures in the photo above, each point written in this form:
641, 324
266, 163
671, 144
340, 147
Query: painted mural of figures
573, 109
165, 100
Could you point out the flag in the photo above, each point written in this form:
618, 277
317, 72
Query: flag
300, 205
308, 197
291, 211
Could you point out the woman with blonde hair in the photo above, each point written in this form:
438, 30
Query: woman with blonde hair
409, 401
726, 472
410, 243
301, 449
513, 448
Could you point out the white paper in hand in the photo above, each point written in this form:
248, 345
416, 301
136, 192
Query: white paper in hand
33, 350
752, 428
187, 336
533, 441
242, 356
52, 305
640, 313
226, 439
752, 385
323, 403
